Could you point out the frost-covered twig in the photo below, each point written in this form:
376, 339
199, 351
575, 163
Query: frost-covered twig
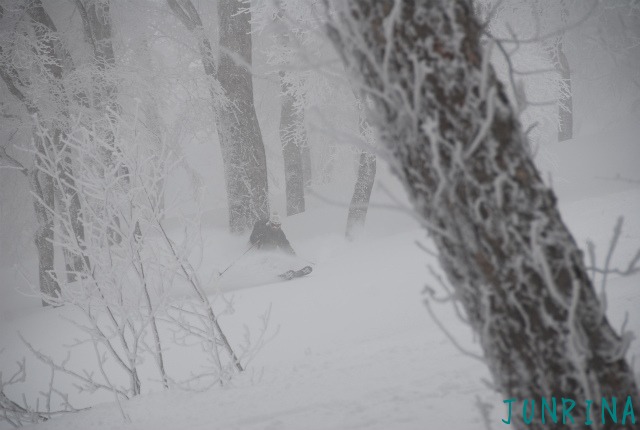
617, 230
17, 414
394, 207
542, 37
632, 267
89, 383
250, 348
10, 162
192, 278
448, 334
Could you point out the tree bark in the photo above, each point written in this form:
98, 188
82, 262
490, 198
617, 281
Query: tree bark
364, 182
44, 204
565, 108
42, 189
561, 64
43, 185
305, 152
68, 199
292, 136
96, 22
361, 194
243, 151
243, 154
459, 150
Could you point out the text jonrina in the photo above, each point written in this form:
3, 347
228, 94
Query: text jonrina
610, 411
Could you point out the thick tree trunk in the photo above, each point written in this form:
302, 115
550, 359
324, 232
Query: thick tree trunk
460, 152
243, 155
98, 30
68, 201
292, 136
45, 187
243, 151
96, 18
361, 194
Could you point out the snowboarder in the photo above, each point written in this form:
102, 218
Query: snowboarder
268, 235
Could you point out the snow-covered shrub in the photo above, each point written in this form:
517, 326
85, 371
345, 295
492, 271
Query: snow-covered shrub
122, 271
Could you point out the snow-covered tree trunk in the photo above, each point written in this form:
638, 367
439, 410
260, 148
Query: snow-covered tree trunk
565, 108
458, 148
292, 136
305, 153
561, 64
43, 203
55, 57
243, 151
361, 194
364, 184
98, 30
97, 26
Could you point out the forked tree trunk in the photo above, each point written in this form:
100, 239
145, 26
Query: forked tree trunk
460, 152
292, 136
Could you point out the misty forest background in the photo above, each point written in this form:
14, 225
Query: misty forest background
141, 140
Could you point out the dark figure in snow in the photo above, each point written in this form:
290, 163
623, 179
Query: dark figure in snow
268, 235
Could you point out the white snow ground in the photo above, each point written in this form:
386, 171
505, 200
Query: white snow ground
355, 346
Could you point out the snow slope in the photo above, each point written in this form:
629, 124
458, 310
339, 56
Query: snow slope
353, 344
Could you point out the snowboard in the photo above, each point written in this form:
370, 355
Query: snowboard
291, 274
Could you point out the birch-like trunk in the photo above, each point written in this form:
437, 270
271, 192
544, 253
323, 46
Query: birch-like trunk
460, 152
